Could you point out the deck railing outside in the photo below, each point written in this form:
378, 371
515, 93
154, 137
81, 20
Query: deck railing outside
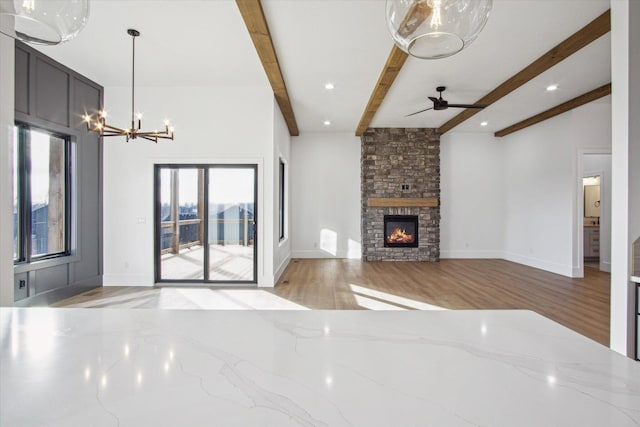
239, 231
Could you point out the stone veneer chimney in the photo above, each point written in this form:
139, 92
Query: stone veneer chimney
400, 163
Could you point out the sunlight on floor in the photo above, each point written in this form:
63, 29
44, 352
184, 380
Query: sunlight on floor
377, 300
230, 262
224, 299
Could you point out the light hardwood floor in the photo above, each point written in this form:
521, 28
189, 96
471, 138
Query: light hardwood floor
579, 304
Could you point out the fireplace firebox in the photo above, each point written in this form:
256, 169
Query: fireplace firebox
400, 231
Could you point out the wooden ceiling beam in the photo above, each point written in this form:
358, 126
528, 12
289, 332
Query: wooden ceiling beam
590, 32
414, 18
254, 19
394, 64
576, 102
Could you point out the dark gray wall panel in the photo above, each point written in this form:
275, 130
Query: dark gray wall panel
51, 278
52, 93
22, 81
86, 98
58, 97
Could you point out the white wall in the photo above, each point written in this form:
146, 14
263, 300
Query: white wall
600, 164
625, 201
282, 150
7, 72
543, 187
325, 196
211, 127
472, 196
539, 180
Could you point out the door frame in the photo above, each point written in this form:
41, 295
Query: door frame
578, 219
157, 255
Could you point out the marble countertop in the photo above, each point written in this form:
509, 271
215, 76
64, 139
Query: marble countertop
112, 367
635, 279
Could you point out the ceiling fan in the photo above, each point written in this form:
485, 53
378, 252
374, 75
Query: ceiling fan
441, 104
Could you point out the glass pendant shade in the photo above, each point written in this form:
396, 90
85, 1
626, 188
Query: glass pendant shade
432, 29
46, 22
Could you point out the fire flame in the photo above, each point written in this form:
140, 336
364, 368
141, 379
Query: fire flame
399, 235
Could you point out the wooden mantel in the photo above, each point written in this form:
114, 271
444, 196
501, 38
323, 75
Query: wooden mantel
402, 202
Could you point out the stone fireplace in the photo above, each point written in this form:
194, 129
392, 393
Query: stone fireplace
400, 190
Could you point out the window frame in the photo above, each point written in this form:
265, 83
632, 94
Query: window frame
282, 205
24, 201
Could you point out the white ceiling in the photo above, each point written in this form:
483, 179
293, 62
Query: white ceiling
205, 43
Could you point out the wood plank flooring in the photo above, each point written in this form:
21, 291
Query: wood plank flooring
330, 284
579, 304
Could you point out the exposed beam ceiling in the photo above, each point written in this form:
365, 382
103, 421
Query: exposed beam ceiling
349, 56
254, 19
394, 64
590, 32
559, 109
415, 17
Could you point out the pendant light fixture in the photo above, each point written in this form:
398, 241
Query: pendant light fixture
46, 22
432, 29
99, 124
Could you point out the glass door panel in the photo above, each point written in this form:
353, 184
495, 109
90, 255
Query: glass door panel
181, 214
232, 227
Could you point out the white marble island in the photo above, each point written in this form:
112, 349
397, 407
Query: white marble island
111, 367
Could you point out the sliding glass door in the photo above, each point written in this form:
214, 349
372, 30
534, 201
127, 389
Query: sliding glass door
232, 224
206, 223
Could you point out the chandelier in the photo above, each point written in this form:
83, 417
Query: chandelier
99, 124
47, 22
432, 29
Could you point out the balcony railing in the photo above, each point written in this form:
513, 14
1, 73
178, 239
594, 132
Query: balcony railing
221, 232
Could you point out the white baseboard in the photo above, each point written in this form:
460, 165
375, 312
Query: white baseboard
564, 270
317, 253
464, 254
605, 266
266, 282
575, 272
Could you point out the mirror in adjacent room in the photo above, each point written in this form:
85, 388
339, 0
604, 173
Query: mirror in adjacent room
591, 197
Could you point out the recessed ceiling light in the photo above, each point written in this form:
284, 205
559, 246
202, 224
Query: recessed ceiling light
327, 123
329, 86
484, 123
551, 88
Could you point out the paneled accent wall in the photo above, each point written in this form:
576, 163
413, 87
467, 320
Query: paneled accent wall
400, 164
52, 97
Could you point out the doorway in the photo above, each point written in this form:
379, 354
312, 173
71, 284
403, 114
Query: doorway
596, 211
206, 223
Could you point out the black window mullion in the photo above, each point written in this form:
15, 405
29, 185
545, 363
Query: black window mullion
205, 217
25, 148
255, 222
158, 222
67, 196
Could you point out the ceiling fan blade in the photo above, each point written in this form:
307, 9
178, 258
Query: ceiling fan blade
435, 100
467, 105
418, 112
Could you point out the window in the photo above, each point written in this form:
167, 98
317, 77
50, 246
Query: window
41, 211
281, 205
